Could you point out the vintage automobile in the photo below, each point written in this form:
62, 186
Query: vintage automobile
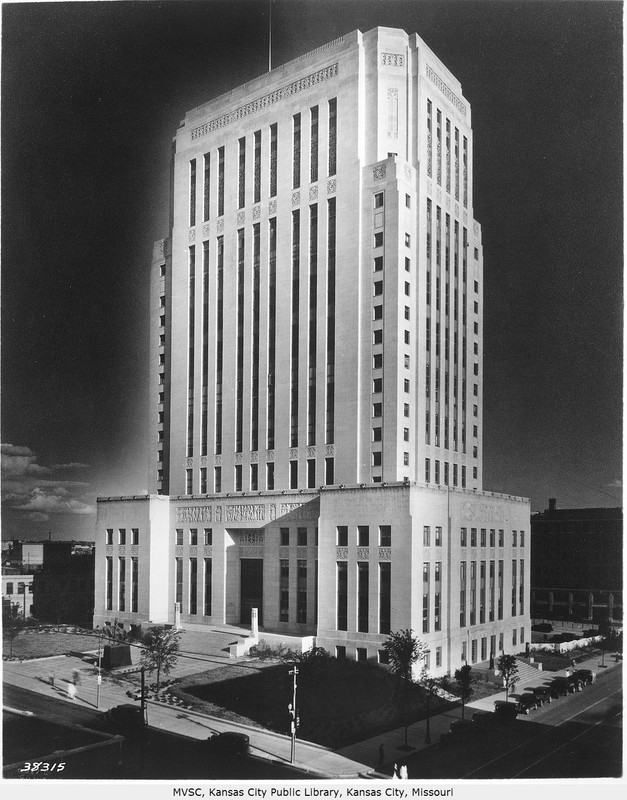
505, 711
126, 717
528, 702
229, 744
559, 687
542, 693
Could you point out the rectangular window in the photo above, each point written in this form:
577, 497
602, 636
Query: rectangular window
473, 537
314, 145
178, 582
207, 587
208, 537
206, 187
329, 471
134, 584
462, 594
109, 583
427, 470
385, 597
284, 590
242, 173
254, 477
342, 595
363, 578
192, 192
296, 136
301, 591
464, 537
500, 591
332, 136
426, 536
179, 536
257, 169
221, 181
385, 536
193, 586
473, 651
122, 536
238, 477
217, 479
473, 592
438, 536
189, 481
342, 535
121, 584
378, 239
273, 159
492, 537
293, 474
482, 590
501, 538
483, 537
193, 536
437, 600
284, 537
109, 536
363, 535
270, 475
438, 656
203, 480
311, 473
301, 537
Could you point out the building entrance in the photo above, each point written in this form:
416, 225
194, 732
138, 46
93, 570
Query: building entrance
251, 588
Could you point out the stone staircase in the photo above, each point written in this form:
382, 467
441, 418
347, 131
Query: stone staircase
528, 676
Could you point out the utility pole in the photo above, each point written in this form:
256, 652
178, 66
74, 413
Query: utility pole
293, 714
99, 678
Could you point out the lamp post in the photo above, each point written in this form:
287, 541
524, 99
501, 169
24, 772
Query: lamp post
294, 717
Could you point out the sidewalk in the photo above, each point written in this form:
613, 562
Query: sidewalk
362, 759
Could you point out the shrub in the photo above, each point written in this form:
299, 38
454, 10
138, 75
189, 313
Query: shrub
266, 652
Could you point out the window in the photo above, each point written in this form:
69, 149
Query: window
377, 337
311, 473
407, 240
293, 474
427, 470
407, 201
377, 385
378, 200
376, 434
473, 537
522, 538
122, 536
406, 384
377, 361
378, 288
208, 537
284, 590
407, 288
405, 459
217, 479
378, 312
407, 313
501, 538
377, 409
407, 264
9, 588
270, 475
193, 536
385, 536
376, 459
342, 535
514, 632
483, 537
426, 536
464, 537
362, 654
109, 536
340, 651
438, 656
238, 477
363, 535
437, 472
284, 537
301, 537
406, 409
492, 537
378, 239
406, 434
383, 657
406, 337
378, 264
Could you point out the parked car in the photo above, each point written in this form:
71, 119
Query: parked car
505, 711
559, 687
484, 720
459, 730
575, 684
126, 717
584, 675
527, 702
230, 744
542, 693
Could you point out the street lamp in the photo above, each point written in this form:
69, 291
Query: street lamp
294, 718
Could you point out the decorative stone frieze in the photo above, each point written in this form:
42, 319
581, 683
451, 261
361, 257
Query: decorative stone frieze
188, 515
445, 89
245, 512
311, 452
192, 235
260, 103
392, 59
257, 212
254, 457
205, 229
220, 225
385, 554
313, 192
238, 458
341, 552
294, 453
329, 450
251, 538
269, 455
217, 460
272, 207
331, 186
295, 198
241, 217
189, 462
363, 553
379, 172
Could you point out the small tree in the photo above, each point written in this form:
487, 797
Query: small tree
404, 650
430, 686
508, 667
464, 681
13, 623
161, 646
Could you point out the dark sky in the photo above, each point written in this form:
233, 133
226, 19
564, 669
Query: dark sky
92, 94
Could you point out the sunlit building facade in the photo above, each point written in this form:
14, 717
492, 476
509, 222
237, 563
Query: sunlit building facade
316, 372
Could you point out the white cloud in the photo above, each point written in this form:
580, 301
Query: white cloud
31, 489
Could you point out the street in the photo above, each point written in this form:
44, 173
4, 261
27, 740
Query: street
578, 736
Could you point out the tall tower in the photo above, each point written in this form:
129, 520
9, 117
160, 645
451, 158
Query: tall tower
319, 321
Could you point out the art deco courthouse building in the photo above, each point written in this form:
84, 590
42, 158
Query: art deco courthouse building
316, 372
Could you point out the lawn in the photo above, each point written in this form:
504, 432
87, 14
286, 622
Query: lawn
33, 643
339, 701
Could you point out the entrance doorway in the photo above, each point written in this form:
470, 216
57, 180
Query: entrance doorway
251, 588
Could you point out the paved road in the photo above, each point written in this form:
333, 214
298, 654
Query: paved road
578, 736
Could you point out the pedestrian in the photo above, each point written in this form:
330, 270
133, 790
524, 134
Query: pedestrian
71, 691
76, 677
395, 775
594, 677
51, 677
403, 774
381, 755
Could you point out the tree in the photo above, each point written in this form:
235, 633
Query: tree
161, 647
508, 667
404, 650
13, 623
464, 681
